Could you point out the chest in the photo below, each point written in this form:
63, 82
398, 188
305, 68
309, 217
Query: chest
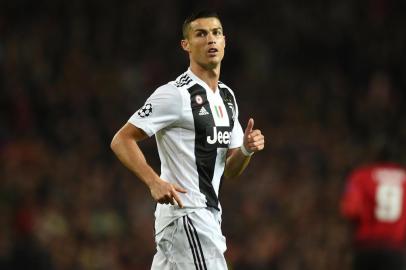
211, 115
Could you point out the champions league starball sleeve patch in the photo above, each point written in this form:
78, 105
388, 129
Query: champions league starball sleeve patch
145, 111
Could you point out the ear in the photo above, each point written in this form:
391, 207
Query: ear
185, 44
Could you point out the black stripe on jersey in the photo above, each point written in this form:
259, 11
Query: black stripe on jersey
198, 242
205, 153
229, 103
191, 244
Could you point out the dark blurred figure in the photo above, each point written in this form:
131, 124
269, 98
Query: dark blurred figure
374, 202
27, 252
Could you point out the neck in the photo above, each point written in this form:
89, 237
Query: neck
209, 75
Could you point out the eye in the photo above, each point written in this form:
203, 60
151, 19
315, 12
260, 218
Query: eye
200, 34
217, 32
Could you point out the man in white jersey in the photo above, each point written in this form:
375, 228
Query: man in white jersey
199, 138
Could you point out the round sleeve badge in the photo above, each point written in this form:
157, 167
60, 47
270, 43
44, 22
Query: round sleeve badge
145, 111
199, 99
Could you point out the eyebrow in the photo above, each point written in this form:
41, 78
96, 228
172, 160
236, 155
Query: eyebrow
201, 29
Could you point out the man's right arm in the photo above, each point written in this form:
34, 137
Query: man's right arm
125, 146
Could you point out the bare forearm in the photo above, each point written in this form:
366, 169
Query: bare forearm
238, 158
236, 163
125, 146
128, 152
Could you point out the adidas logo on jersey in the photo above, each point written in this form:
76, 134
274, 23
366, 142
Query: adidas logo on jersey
203, 111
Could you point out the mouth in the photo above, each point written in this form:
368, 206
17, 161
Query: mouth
212, 51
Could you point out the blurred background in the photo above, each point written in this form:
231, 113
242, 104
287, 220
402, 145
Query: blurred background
324, 80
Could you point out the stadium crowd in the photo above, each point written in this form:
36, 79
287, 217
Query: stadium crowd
324, 80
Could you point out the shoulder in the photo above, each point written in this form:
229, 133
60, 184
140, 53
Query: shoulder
225, 87
166, 88
227, 93
182, 81
166, 94
359, 173
364, 172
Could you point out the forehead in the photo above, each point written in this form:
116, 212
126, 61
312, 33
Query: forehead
205, 23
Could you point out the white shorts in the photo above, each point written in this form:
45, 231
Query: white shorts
193, 241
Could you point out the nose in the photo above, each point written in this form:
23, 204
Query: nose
211, 39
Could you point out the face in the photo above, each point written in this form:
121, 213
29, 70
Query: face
205, 42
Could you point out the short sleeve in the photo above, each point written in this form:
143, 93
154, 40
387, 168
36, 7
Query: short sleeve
237, 135
160, 110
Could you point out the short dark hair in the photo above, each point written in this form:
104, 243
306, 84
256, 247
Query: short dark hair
197, 15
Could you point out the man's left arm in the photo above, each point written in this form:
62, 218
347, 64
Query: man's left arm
238, 158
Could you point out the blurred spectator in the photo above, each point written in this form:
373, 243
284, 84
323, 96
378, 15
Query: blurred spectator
374, 203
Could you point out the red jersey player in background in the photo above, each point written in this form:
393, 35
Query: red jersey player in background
374, 201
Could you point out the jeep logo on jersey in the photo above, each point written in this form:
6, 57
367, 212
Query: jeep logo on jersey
220, 136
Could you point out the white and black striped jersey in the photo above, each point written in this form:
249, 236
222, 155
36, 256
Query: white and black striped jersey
194, 126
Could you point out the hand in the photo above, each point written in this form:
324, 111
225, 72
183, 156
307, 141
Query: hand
164, 192
254, 141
